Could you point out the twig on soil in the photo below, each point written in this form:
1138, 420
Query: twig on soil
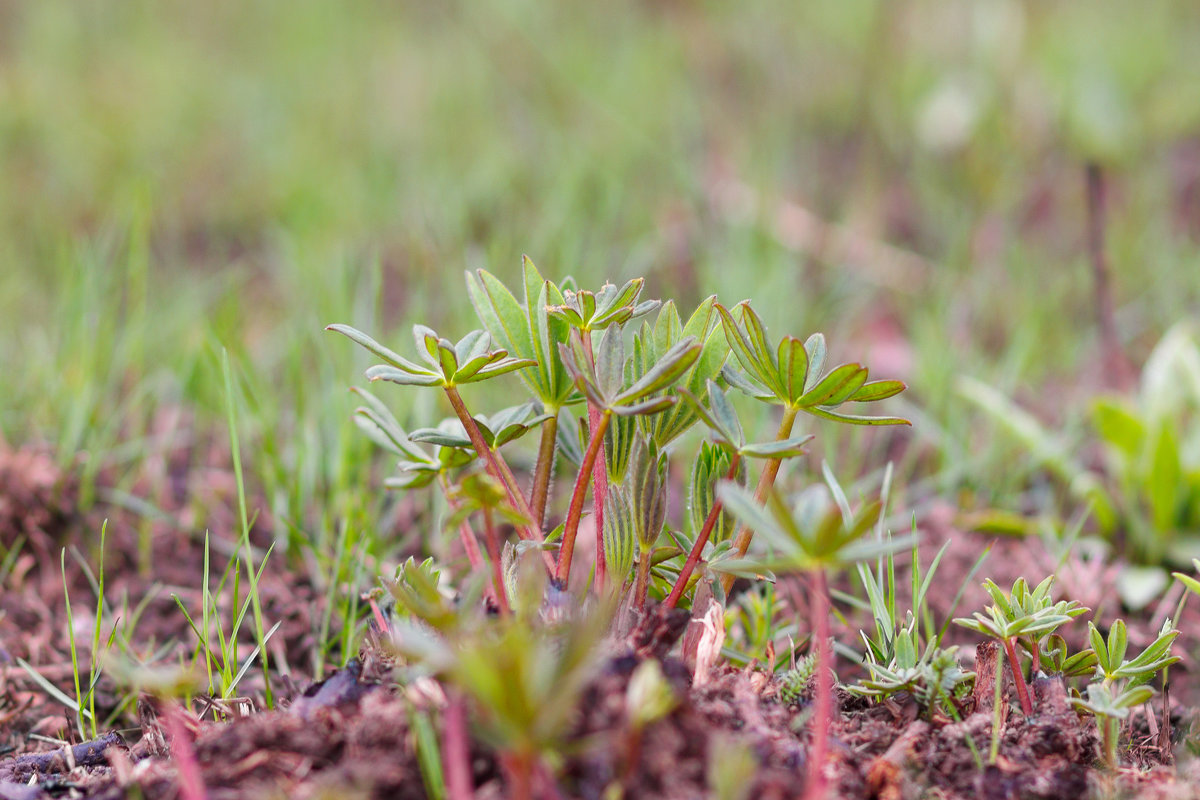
85, 754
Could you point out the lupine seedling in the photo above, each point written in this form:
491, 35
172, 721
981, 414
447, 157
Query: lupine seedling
569, 347
791, 375
811, 538
1025, 614
1121, 684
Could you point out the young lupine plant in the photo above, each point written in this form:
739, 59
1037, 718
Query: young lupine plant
601, 379
522, 678
448, 365
1024, 614
811, 538
1121, 684
529, 331
728, 439
791, 375
895, 658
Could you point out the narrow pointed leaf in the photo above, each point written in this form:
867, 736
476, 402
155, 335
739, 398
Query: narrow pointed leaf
672, 364
393, 359
816, 349
385, 372
835, 387
871, 391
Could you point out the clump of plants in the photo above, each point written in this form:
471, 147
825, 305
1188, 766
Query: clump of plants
1101, 680
622, 392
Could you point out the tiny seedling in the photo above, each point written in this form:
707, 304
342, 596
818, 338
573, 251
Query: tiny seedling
1022, 614
1121, 684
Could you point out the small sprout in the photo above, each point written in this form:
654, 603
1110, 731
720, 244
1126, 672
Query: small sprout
649, 696
794, 682
1025, 614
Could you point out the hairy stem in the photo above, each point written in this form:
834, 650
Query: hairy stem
765, 483
823, 699
493, 545
498, 470
539, 493
1018, 677
575, 510
599, 473
642, 585
693, 558
599, 493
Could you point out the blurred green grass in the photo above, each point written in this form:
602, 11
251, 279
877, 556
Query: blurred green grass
181, 177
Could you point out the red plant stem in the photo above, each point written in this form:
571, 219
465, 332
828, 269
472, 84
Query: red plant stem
384, 628
575, 511
498, 469
599, 473
474, 556
599, 493
765, 483
191, 784
493, 546
693, 558
539, 492
520, 776
1018, 677
823, 699
456, 751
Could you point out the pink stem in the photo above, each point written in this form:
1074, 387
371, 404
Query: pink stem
823, 700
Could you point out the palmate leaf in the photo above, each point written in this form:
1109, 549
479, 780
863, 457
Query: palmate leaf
651, 343
527, 330
791, 373
673, 364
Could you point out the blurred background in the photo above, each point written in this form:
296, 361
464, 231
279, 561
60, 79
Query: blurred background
907, 176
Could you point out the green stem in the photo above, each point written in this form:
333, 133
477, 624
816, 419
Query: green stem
693, 558
540, 491
498, 470
575, 511
1018, 677
765, 483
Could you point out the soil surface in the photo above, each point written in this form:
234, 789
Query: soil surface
354, 734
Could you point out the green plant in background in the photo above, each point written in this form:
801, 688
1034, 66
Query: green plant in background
1028, 615
1121, 684
1146, 497
812, 538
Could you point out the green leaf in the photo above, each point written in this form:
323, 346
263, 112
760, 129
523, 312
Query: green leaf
835, 387
610, 362
786, 448
1119, 427
668, 369
854, 419
793, 367
654, 405
392, 358
1164, 479
499, 312
385, 372
816, 349
872, 391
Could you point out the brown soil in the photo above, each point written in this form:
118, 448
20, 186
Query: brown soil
349, 736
